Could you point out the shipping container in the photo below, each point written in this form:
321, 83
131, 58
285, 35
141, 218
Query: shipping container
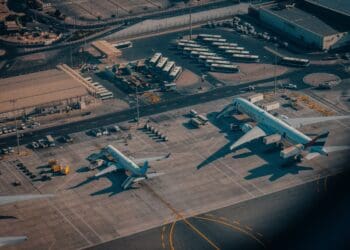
271, 106
155, 58
162, 62
275, 138
175, 73
256, 98
168, 67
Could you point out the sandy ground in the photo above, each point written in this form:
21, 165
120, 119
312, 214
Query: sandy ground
187, 79
315, 79
249, 72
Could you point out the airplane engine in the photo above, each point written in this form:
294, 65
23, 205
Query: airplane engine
270, 139
246, 127
292, 151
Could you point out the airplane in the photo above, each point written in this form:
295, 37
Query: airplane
120, 162
273, 130
6, 241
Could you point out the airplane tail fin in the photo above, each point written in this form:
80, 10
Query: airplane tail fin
317, 144
144, 168
319, 140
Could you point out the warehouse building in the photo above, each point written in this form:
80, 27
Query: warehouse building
45, 92
301, 24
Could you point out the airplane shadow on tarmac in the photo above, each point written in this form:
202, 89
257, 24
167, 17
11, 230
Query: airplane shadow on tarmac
274, 166
275, 172
116, 179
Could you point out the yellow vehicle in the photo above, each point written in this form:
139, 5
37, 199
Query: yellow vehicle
65, 170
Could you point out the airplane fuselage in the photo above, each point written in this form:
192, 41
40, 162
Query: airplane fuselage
123, 161
269, 122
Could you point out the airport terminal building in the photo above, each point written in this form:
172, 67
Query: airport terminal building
311, 23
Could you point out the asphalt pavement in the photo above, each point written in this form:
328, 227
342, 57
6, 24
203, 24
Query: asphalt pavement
171, 104
313, 215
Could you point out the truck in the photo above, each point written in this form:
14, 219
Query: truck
50, 140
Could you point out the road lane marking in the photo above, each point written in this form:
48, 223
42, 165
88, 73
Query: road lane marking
234, 227
201, 234
171, 232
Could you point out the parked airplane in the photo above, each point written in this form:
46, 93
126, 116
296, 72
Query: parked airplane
5, 241
120, 161
273, 129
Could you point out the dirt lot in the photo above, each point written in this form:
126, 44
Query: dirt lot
249, 72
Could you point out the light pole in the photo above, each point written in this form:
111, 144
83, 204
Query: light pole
191, 22
16, 124
137, 107
274, 73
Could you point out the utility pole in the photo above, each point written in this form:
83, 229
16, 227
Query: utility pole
16, 124
137, 107
191, 22
274, 72
274, 75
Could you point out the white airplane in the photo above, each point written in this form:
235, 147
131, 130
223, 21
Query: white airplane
6, 241
273, 129
120, 161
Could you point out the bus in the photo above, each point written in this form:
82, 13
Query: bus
226, 68
206, 54
297, 62
210, 62
123, 45
204, 58
231, 51
212, 40
208, 36
245, 58
230, 48
192, 45
106, 95
189, 50
224, 44
187, 41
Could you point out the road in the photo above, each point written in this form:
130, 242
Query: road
144, 27
310, 216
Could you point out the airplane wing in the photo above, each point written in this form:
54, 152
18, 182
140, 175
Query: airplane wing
298, 122
252, 134
14, 198
107, 170
150, 159
6, 241
328, 149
